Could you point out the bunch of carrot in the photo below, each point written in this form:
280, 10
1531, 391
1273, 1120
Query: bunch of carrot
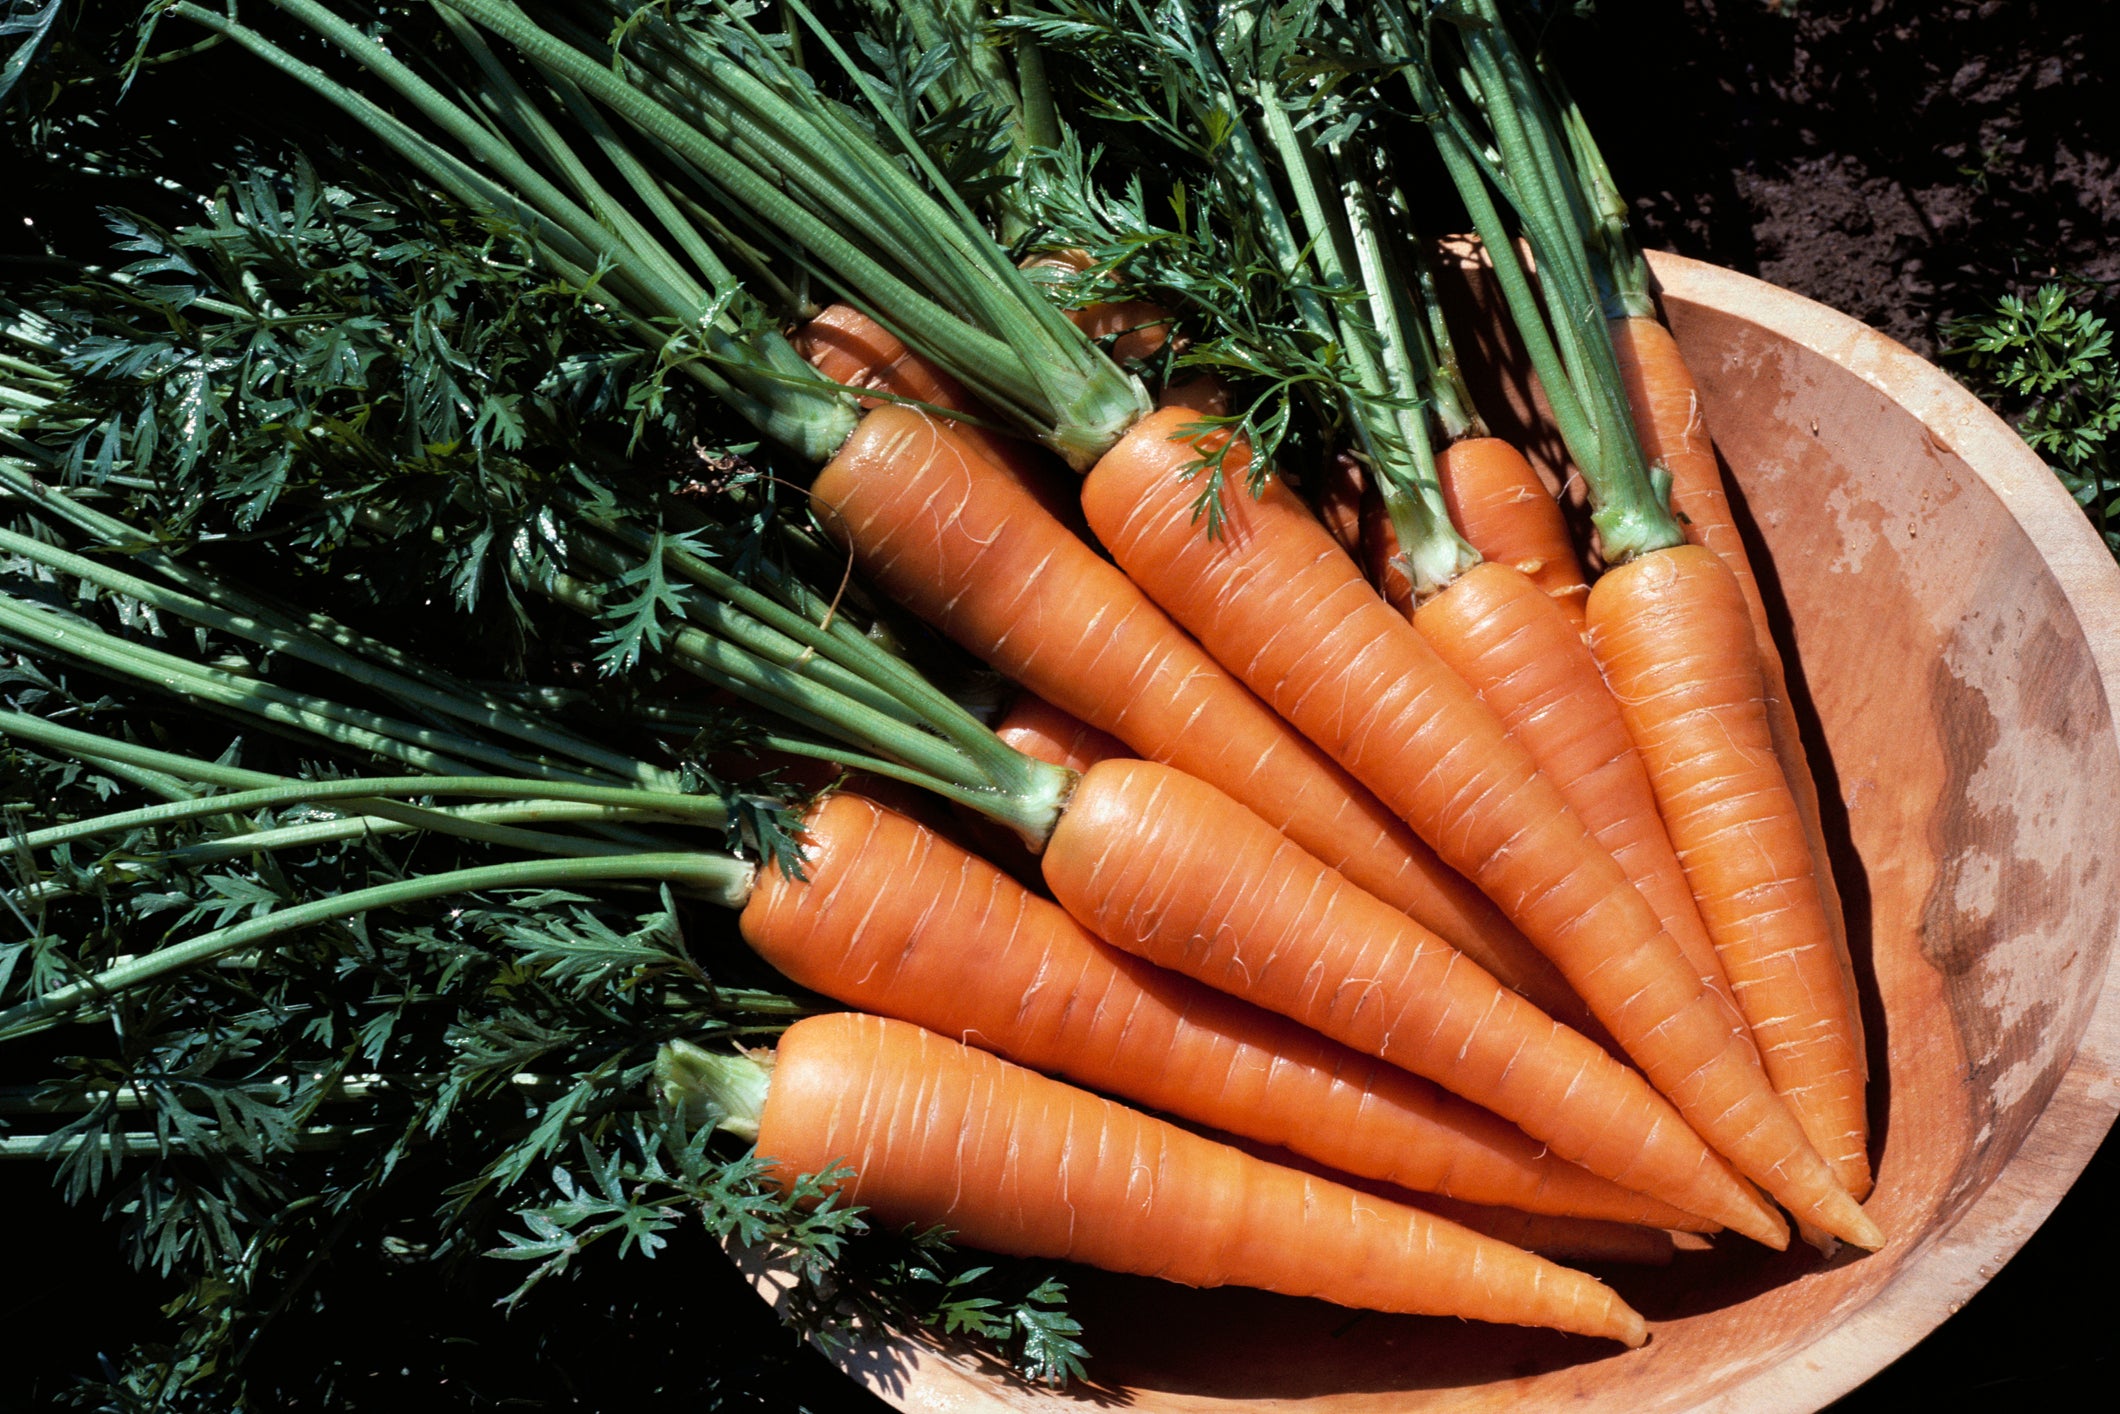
1403, 889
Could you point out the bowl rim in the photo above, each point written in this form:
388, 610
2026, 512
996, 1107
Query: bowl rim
1960, 1258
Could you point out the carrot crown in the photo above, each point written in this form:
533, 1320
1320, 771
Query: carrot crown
714, 1089
1395, 381
1480, 98
809, 179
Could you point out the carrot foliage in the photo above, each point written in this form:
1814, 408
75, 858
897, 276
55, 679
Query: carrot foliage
363, 960
2049, 360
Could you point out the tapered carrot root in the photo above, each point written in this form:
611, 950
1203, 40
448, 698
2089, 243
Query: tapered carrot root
1523, 653
1557, 1237
1168, 868
939, 1134
1274, 598
1676, 646
966, 549
893, 919
1667, 412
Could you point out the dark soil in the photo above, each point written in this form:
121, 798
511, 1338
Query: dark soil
1904, 161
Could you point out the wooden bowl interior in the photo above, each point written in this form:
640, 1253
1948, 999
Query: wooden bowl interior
1956, 711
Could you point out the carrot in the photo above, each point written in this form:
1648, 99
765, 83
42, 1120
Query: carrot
1511, 629
1503, 510
1037, 728
940, 1134
1519, 649
1497, 502
1275, 598
848, 347
1161, 865
1667, 411
1697, 716
1559, 1237
892, 918
961, 546
1134, 328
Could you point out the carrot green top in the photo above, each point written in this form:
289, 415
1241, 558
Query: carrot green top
1480, 97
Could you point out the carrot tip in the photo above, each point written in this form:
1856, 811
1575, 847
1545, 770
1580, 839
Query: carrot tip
1843, 1217
1760, 1221
1867, 1235
1776, 1237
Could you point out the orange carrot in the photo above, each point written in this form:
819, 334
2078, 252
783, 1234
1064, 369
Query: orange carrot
1667, 411
1037, 728
1503, 510
939, 1134
1275, 599
894, 919
1554, 1236
1676, 645
1162, 865
1498, 503
944, 534
1557, 1238
848, 347
1134, 328
1519, 649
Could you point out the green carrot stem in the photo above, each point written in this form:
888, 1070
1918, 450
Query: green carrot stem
714, 1089
1625, 270
1433, 551
1029, 802
722, 879
914, 698
395, 739
507, 102
1432, 343
487, 823
489, 715
370, 794
766, 384
310, 1139
716, 615
132, 1098
1000, 336
702, 810
1630, 506
1387, 408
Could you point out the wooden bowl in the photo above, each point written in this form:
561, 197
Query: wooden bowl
1951, 621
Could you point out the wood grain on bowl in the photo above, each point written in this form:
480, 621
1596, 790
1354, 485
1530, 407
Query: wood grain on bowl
1953, 631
